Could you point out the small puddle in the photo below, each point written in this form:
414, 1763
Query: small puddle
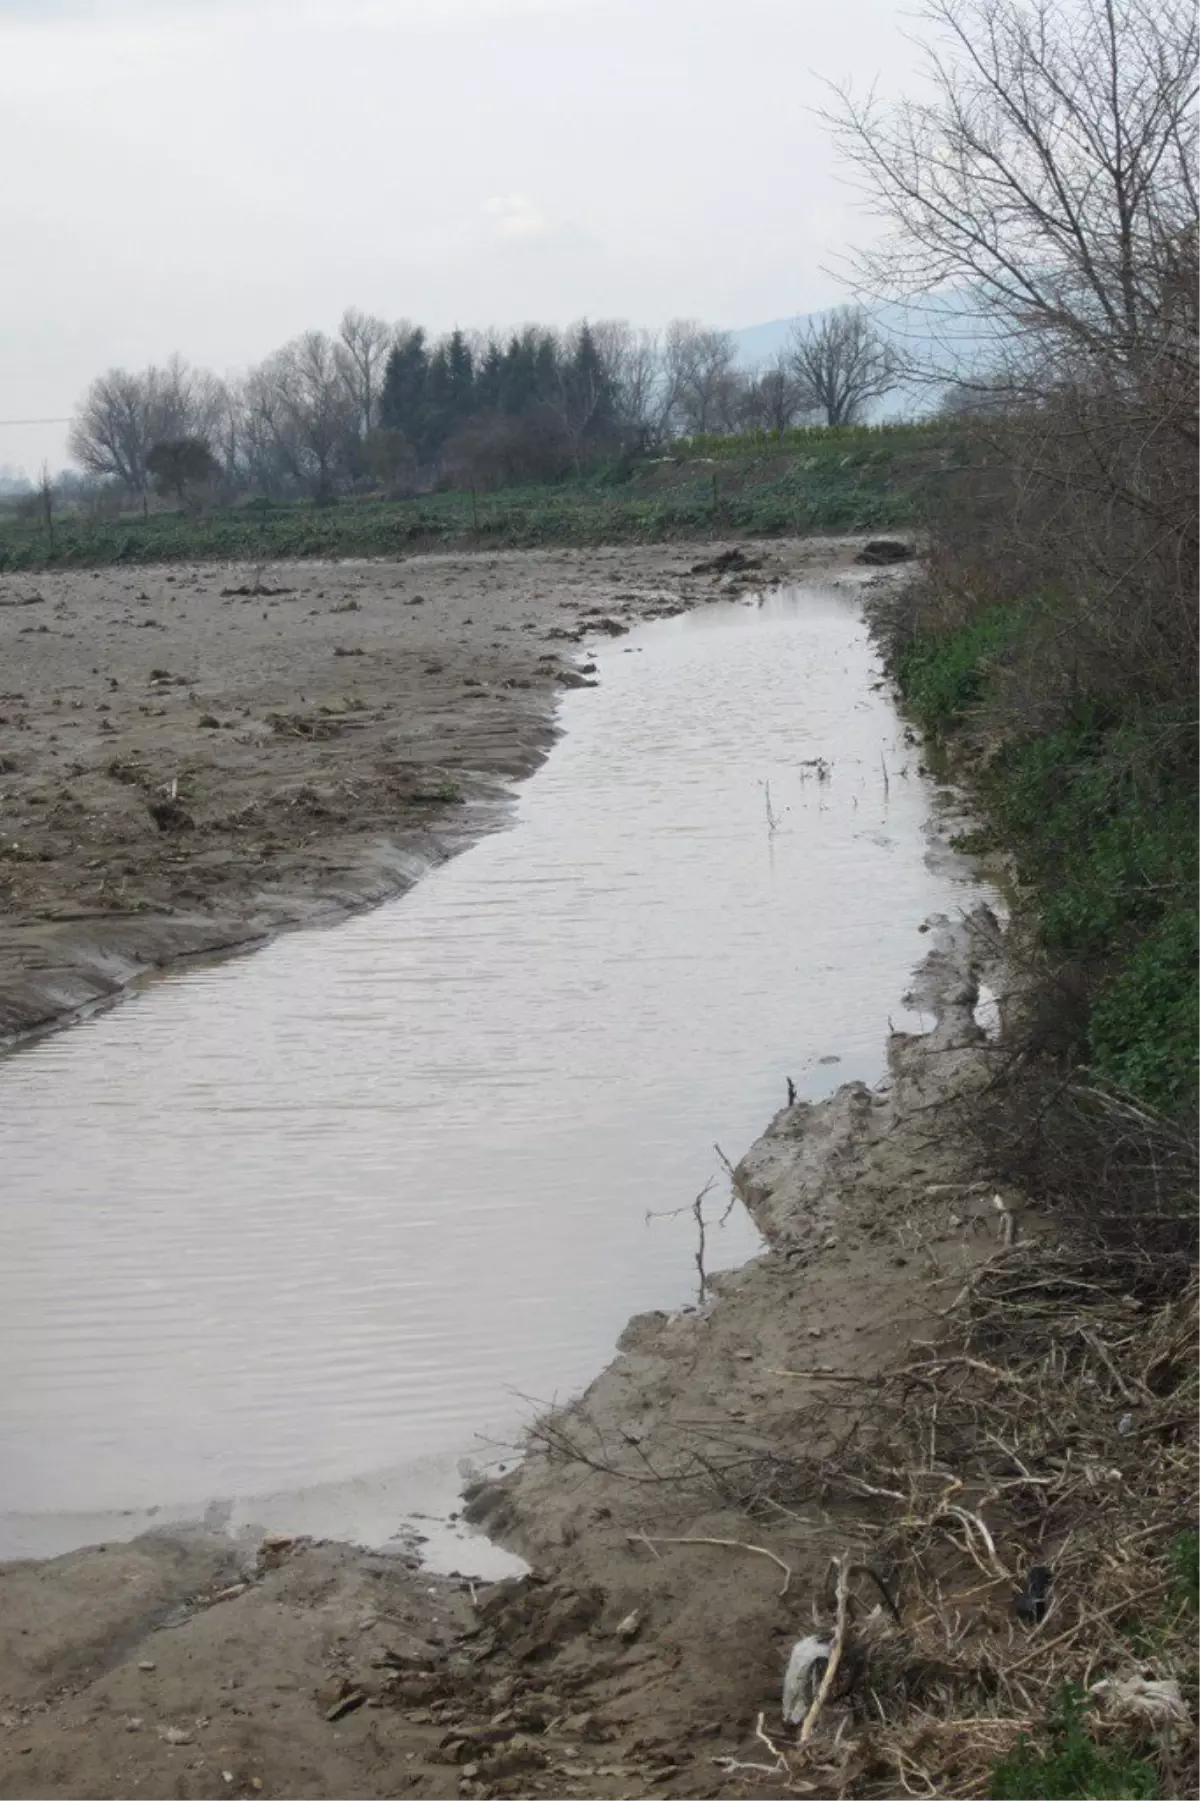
301, 1238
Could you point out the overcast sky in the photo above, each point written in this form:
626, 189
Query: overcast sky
213, 176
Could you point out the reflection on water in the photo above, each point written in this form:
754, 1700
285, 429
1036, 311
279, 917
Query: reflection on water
321, 1218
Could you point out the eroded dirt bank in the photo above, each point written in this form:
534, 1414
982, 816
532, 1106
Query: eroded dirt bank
193, 758
185, 1665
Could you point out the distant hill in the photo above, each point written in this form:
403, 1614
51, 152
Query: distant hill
935, 334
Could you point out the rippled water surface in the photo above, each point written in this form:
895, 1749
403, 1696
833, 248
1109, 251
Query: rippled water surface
303, 1229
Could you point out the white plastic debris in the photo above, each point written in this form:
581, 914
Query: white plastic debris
806, 1666
1008, 1220
1142, 1698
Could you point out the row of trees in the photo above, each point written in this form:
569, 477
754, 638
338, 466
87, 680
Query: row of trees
379, 405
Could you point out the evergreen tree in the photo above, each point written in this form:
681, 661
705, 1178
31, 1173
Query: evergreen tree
547, 374
402, 401
555, 395
588, 391
449, 394
518, 386
460, 378
489, 379
438, 420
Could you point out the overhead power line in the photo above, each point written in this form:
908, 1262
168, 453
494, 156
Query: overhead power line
35, 421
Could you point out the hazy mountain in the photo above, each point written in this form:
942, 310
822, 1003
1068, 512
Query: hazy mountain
936, 334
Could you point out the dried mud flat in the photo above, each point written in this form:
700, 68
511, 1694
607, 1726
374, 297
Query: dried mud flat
185, 1664
194, 758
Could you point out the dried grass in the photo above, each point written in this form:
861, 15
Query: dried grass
1059, 1431
1055, 1426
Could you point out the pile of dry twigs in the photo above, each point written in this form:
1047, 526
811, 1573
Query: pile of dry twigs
1052, 1437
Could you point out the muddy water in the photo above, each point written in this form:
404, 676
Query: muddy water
292, 1236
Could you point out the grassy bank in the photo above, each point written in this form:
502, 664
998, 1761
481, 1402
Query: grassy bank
1101, 814
860, 479
1086, 774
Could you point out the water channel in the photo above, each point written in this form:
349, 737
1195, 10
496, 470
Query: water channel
290, 1237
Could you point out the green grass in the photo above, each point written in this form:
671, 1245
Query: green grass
860, 480
1101, 816
816, 440
1185, 1556
1070, 1764
944, 678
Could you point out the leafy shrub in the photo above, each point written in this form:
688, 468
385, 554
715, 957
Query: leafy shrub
1145, 1020
944, 678
1102, 818
1071, 1764
1101, 815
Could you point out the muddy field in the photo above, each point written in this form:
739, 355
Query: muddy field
192, 758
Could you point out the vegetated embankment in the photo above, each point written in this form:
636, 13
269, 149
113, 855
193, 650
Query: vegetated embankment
846, 480
1068, 703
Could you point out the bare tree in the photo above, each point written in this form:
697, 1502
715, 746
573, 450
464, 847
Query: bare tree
207, 408
698, 378
364, 344
46, 499
840, 363
631, 359
124, 415
111, 432
773, 398
1051, 176
975, 399
301, 409
226, 435
1048, 180
263, 441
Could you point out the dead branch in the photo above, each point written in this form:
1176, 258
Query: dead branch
729, 1544
835, 1651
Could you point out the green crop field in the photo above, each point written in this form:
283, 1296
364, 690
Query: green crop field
850, 480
